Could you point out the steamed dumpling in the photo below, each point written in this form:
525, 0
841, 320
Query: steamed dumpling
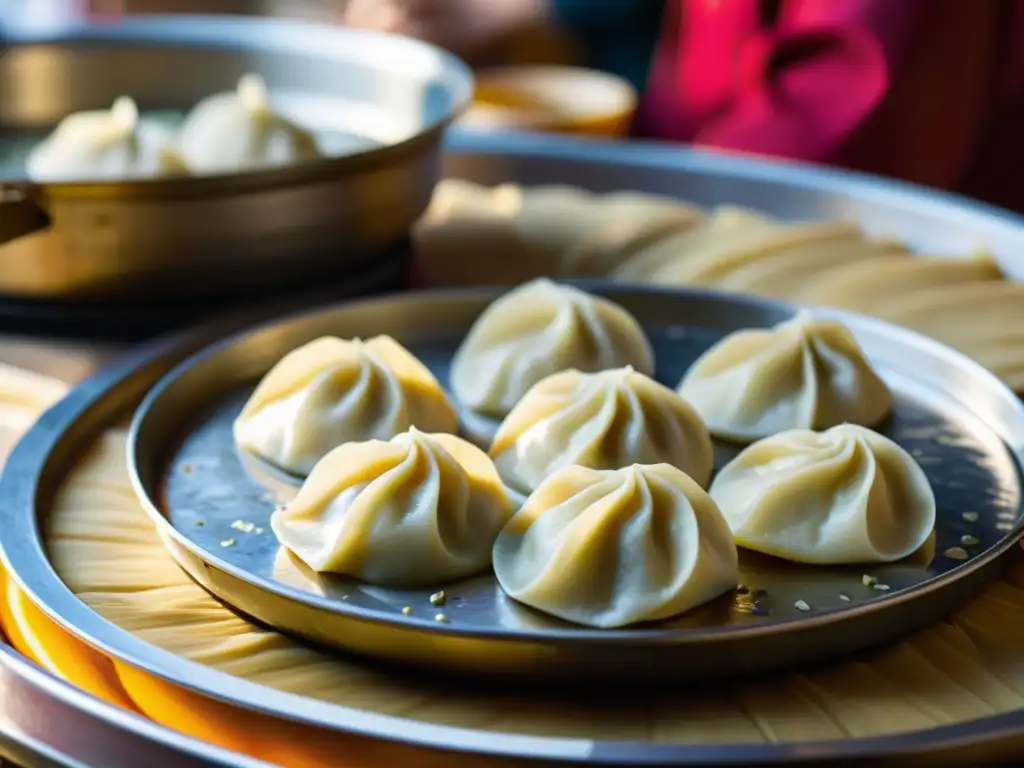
538, 329
801, 374
601, 420
332, 391
616, 547
417, 510
847, 495
240, 130
103, 145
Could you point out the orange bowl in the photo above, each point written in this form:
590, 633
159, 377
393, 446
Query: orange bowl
555, 99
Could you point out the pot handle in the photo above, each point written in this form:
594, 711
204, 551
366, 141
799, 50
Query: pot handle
20, 212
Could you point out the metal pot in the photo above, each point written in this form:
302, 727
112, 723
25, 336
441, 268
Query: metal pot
178, 238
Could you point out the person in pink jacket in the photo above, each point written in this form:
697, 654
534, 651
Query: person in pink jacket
924, 90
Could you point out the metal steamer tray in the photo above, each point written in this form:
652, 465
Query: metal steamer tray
212, 505
922, 218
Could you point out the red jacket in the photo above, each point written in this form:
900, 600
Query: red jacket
925, 90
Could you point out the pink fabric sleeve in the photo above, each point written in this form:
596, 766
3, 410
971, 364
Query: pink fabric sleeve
806, 85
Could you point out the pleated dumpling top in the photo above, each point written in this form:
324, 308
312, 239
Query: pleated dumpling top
240, 130
331, 391
608, 548
846, 495
603, 420
106, 145
538, 329
418, 510
802, 374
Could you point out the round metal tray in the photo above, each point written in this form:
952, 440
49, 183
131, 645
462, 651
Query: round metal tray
215, 504
923, 218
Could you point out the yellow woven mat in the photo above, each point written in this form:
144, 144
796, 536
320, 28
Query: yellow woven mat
103, 546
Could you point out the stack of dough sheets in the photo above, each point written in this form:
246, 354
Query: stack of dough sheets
508, 234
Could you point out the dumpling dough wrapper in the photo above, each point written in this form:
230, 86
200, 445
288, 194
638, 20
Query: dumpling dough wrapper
331, 391
538, 329
240, 130
418, 510
608, 548
803, 373
603, 420
847, 495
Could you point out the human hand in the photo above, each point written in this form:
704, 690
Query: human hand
460, 26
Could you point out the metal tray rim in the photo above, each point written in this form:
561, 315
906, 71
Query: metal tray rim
22, 552
145, 493
64, 692
894, 193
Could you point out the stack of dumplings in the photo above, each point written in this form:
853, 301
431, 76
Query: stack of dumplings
225, 133
595, 501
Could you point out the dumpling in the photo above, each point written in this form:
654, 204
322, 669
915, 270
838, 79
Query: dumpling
538, 329
240, 131
102, 145
606, 548
417, 510
846, 495
801, 374
603, 420
332, 391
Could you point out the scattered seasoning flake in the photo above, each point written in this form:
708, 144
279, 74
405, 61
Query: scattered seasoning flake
970, 517
1007, 516
258, 530
1004, 526
868, 581
437, 598
441, 618
244, 526
881, 587
407, 610
187, 468
801, 605
200, 522
844, 597
228, 543
956, 553
969, 541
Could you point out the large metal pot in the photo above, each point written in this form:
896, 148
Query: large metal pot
175, 239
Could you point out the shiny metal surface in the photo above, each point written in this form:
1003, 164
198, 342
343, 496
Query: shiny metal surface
223, 234
196, 486
55, 444
48, 723
922, 217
